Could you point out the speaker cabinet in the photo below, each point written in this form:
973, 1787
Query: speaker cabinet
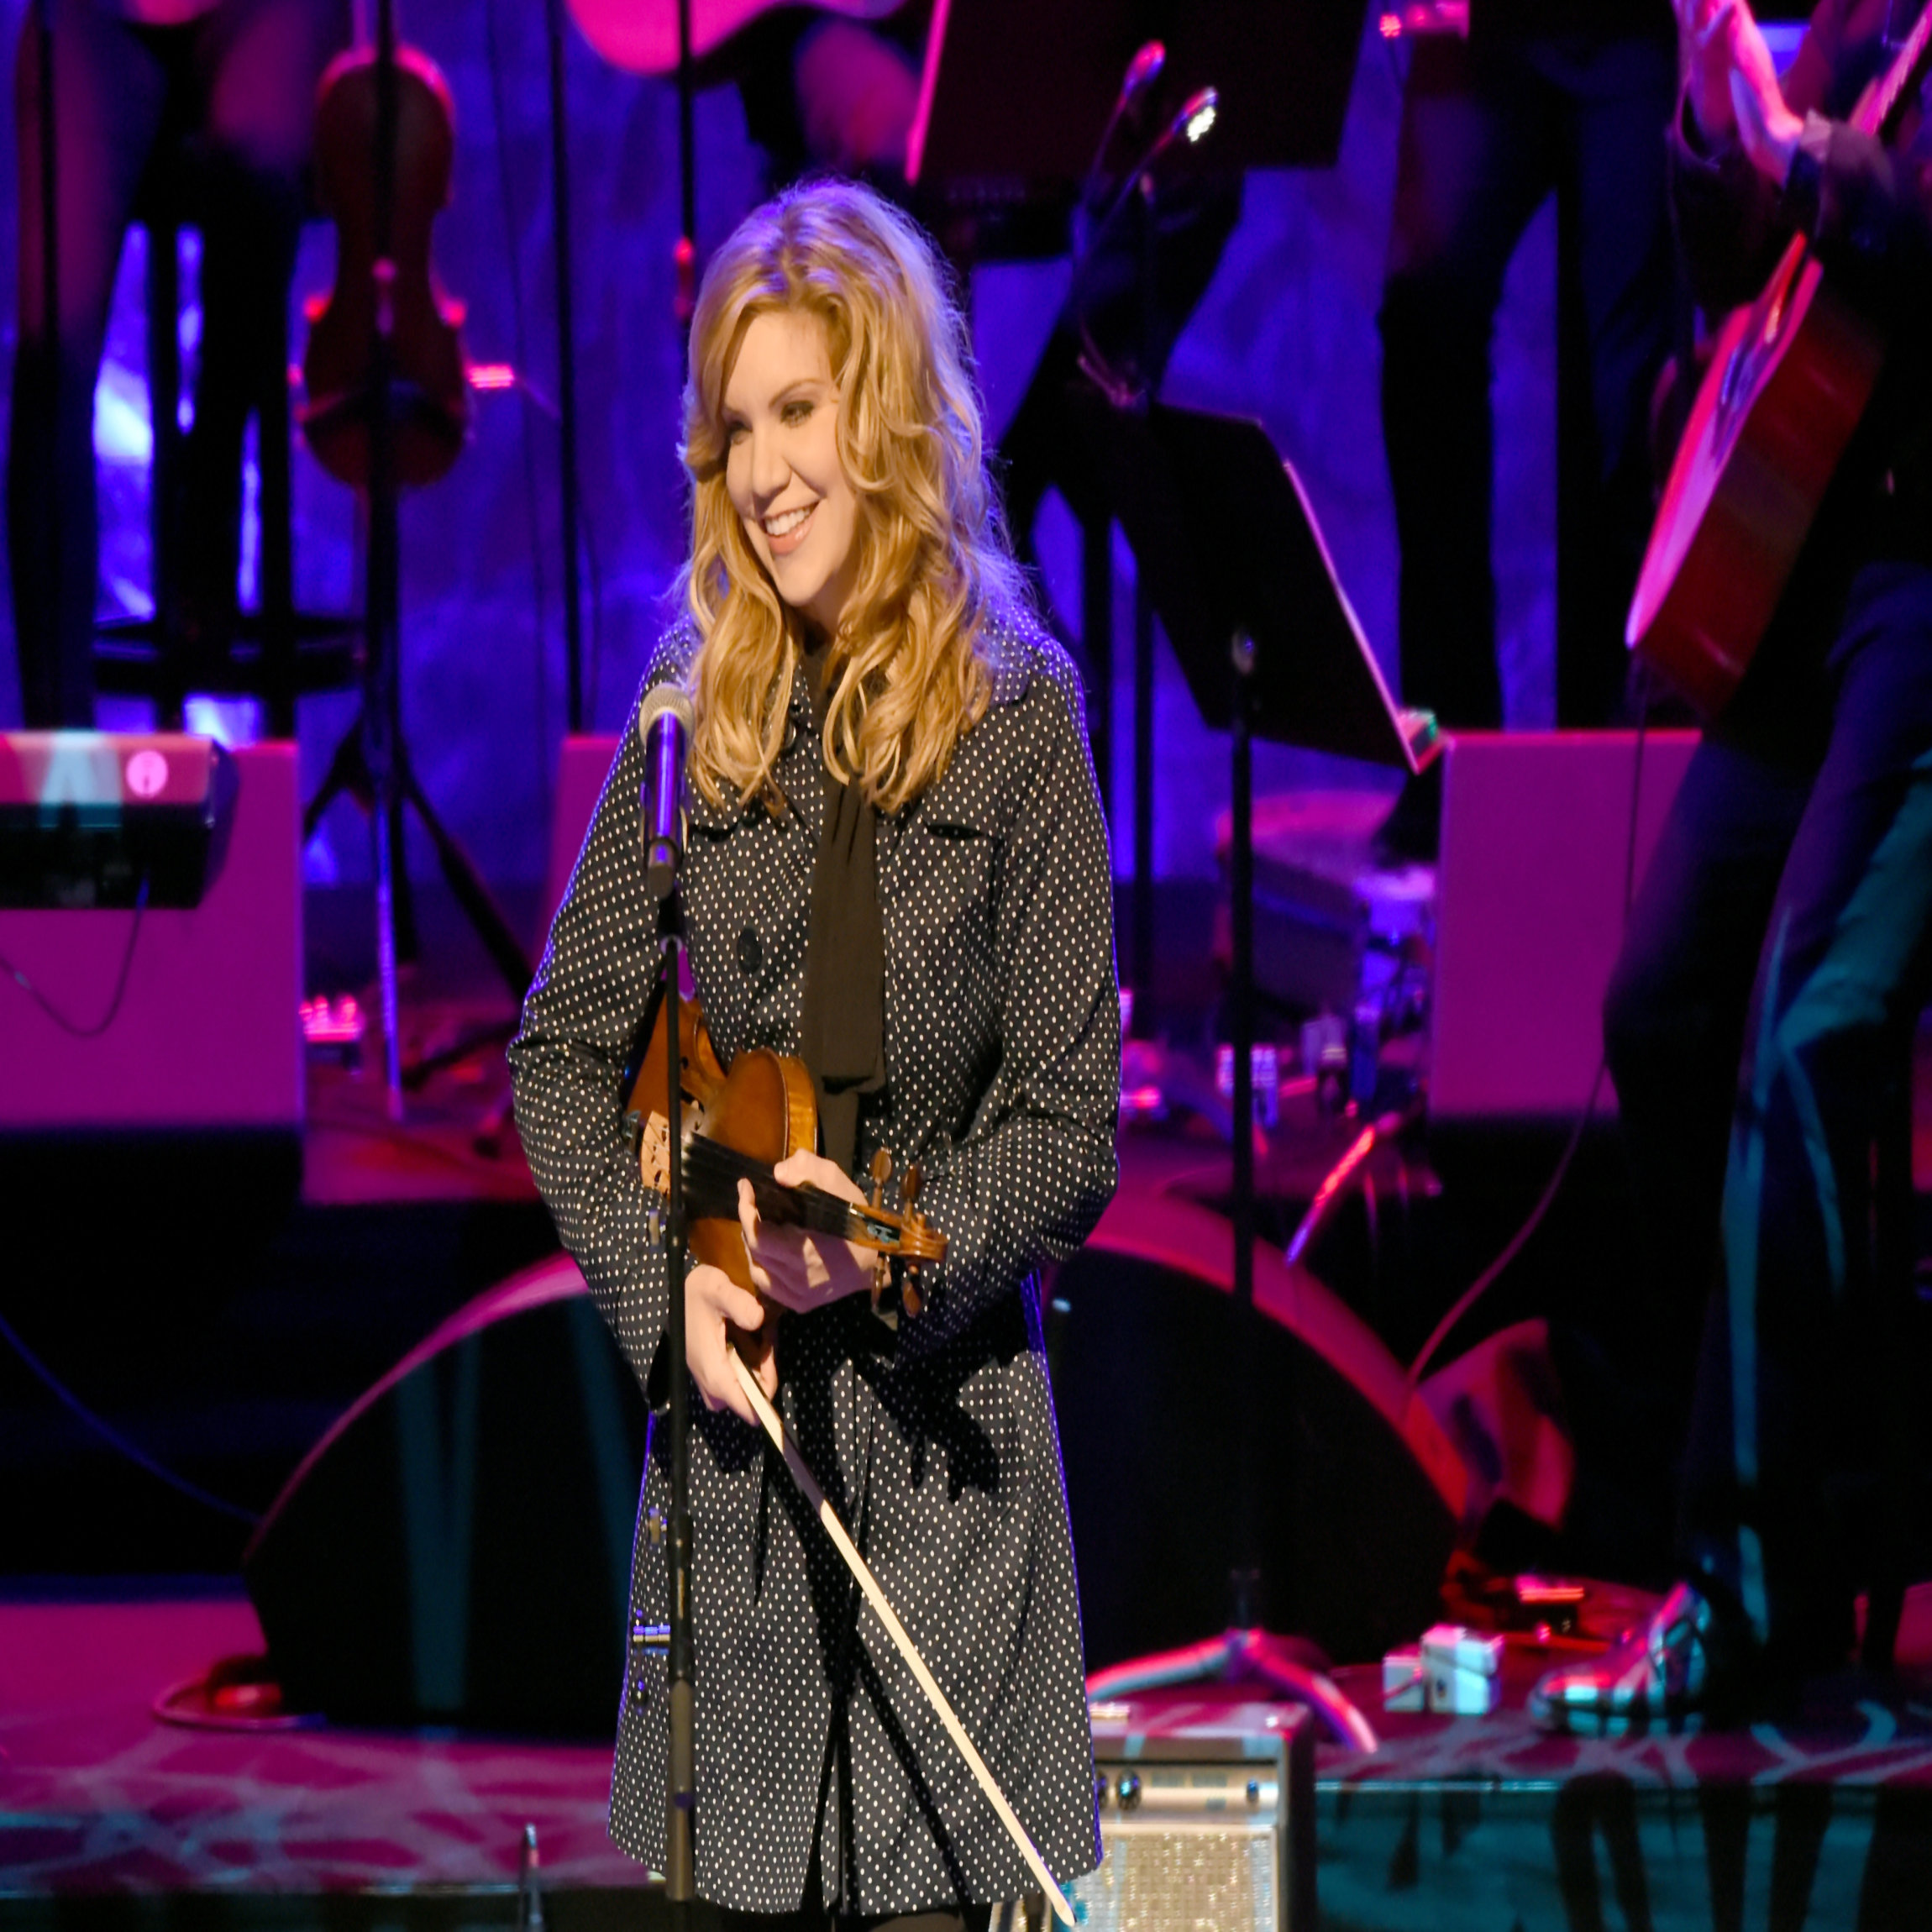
457, 1548
1360, 1494
1540, 829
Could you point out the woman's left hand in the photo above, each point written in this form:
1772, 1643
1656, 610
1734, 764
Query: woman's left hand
798, 1269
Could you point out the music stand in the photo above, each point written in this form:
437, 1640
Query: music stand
1013, 98
1013, 90
1234, 562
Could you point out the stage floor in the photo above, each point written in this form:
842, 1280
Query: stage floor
109, 1816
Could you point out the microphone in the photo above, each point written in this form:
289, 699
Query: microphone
1143, 72
1198, 114
664, 725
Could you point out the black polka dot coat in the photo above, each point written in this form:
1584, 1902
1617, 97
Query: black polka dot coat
938, 1445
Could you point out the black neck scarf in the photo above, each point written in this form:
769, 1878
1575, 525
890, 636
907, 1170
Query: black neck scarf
842, 1024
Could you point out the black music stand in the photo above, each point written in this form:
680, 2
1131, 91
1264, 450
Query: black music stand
1271, 647
1013, 90
1013, 98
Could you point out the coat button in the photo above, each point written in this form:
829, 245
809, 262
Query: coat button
750, 953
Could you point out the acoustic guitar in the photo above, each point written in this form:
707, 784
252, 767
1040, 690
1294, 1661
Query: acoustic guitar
642, 35
1788, 382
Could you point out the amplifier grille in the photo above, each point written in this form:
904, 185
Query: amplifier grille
1182, 1877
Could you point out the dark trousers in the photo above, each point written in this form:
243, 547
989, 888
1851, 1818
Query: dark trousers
1774, 968
242, 79
1488, 134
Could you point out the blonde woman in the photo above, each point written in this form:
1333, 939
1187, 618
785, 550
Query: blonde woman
895, 868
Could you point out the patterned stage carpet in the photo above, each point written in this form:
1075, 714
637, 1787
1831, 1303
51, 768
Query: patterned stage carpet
110, 1817
99, 1796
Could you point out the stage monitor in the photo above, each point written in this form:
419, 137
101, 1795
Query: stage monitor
88, 818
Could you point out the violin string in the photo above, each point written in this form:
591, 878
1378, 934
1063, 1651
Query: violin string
710, 1160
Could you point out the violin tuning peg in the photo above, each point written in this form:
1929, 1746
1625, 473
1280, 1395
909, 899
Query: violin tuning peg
909, 1190
881, 1173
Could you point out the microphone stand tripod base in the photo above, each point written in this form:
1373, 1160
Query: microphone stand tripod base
1241, 1657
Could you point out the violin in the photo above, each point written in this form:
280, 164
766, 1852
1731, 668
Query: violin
428, 391
738, 1124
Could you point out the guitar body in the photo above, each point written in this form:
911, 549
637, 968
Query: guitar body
1790, 378
642, 35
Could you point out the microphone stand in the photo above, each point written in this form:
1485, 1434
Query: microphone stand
680, 1792
682, 1777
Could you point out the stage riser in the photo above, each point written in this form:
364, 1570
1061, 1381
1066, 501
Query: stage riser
1424, 1859
483, 1909
1597, 1851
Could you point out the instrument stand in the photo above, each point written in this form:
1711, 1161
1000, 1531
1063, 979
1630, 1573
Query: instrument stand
570, 504
1235, 566
372, 761
50, 313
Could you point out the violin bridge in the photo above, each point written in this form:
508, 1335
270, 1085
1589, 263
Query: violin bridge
654, 1153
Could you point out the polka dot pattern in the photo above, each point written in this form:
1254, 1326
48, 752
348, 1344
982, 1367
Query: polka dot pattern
938, 1445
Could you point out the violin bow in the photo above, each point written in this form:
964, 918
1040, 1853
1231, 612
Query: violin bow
773, 1425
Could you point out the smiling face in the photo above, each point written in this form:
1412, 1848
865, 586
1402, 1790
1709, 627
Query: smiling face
782, 470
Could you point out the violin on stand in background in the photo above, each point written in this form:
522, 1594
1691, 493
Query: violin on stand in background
388, 406
384, 222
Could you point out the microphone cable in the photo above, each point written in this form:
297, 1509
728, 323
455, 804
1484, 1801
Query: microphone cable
61, 1394
132, 1451
73, 1029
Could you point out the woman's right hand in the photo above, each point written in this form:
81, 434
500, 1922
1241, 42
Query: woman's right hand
712, 1298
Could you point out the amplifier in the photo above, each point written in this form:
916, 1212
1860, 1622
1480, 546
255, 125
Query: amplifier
176, 1016
1207, 1819
86, 817
1538, 831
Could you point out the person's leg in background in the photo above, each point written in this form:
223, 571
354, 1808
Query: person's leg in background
257, 64
110, 88
1618, 298
1673, 1030
1781, 1457
1787, 1440
1473, 166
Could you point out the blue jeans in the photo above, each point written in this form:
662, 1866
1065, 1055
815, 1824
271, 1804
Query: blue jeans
1488, 132
241, 80
1776, 963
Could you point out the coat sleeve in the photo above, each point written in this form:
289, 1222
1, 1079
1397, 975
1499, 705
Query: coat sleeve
567, 1060
1029, 1179
1866, 207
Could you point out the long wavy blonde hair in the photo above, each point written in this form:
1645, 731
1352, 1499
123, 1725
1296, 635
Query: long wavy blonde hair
907, 674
